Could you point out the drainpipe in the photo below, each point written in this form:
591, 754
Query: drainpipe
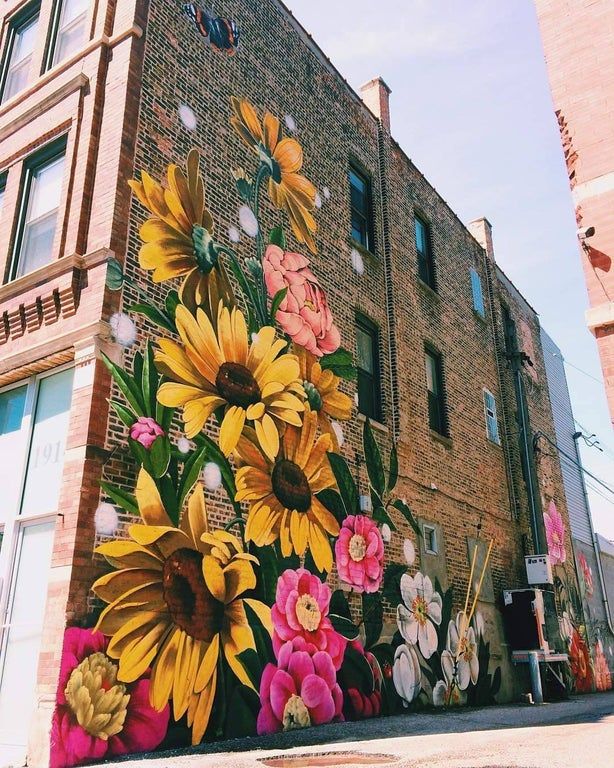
606, 604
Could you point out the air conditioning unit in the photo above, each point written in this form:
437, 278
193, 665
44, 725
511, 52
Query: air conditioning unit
539, 569
525, 620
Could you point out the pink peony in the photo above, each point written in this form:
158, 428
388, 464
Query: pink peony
359, 553
587, 574
555, 534
304, 313
145, 430
301, 612
118, 721
301, 690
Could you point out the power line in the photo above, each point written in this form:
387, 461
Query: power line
606, 448
598, 492
577, 367
573, 461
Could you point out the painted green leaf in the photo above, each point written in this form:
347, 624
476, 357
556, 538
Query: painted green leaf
381, 516
243, 708
154, 314
373, 460
168, 493
340, 363
125, 414
393, 470
333, 503
345, 483
311, 566
339, 604
115, 274
149, 381
127, 386
191, 471
170, 304
373, 617
262, 639
160, 455
251, 664
122, 498
214, 454
355, 672
407, 514
277, 237
137, 366
344, 626
392, 582
267, 574
277, 299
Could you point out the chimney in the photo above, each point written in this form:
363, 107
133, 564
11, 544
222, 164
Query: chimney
481, 229
375, 95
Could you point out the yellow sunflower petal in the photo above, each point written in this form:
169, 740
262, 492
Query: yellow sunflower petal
232, 426
164, 670
197, 412
262, 611
127, 554
194, 522
199, 337
252, 483
317, 456
325, 518
214, 578
298, 532
150, 503
239, 577
271, 129
268, 436
320, 548
203, 710
113, 585
207, 665
289, 155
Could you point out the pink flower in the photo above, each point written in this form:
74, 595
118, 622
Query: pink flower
304, 313
359, 553
587, 573
89, 726
145, 430
555, 534
301, 612
301, 690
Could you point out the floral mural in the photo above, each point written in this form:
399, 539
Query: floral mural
271, 604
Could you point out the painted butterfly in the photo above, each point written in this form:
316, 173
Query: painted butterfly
221, 34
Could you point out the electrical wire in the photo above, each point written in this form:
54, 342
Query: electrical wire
577, 368
573, 461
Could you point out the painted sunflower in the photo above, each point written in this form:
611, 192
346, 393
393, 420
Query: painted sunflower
177, 239
174, 605
288, 189
322, 390
282, 493
220, 369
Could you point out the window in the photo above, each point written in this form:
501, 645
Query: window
39, 210
476, 290
70, 29
430, 539
361, 209
367, 363
426, 265
18, 62
2, 191
490, 411
435, 389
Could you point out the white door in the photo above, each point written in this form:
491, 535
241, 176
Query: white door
33, 427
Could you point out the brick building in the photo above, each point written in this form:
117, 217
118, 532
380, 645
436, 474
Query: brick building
576, 35
450, 362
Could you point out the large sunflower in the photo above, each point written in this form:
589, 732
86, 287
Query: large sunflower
177, 238
174, 605
210, 370
287, 187
282, 494
322, 390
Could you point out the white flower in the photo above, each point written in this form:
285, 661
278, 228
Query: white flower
318, 200
290, 123
338, 430
183, 445
106, 519
386, 533
566, 627
465, 648
409, 551
248, 221
419, 612
326, 193
478, 624
406, 674
234, 235
447, 692
123, 329
357, 262
212, 475
187, 117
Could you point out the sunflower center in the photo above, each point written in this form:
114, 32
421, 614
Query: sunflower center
314, 398
237, 385
296, 714
357, 547
190, 603
98, 702
291, 486
204, 249
420, 609
308, 613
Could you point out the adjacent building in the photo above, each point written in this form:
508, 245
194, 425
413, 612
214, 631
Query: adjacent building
576, 36
450, 359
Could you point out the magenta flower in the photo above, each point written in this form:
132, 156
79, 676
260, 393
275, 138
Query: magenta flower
304, 313
555, 534
301, 611
145, 430
97, 716
301, 690
359, 553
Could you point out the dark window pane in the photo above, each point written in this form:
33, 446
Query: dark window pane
369, 397
426, 267
435, 393
360, 204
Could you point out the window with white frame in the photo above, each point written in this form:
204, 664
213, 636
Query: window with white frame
476, 290
430, 539
490, 412
21, 38
70, 29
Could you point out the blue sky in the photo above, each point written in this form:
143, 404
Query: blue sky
471, 106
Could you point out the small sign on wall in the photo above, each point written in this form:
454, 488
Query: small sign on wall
539, 570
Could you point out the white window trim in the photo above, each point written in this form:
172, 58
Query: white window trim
431, 528
495, 417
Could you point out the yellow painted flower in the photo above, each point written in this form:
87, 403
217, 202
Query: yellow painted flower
177, 238
210, 370
288, 189
175, 606
322, 390
282, 494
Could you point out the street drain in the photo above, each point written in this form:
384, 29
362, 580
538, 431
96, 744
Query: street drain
330, 760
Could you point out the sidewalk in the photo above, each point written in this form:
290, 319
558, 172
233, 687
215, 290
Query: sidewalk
558, 735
